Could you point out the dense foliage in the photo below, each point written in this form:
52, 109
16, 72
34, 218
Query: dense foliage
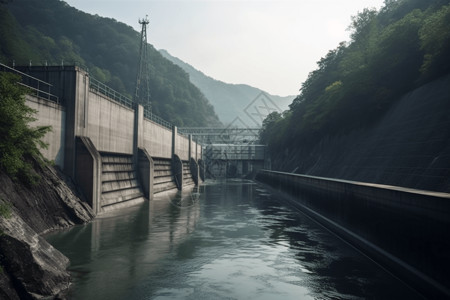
55, 33
392, 51
18, 142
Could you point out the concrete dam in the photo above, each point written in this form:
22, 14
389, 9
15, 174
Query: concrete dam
117, 153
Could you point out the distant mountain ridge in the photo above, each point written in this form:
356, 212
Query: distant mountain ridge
233, 102
53, 33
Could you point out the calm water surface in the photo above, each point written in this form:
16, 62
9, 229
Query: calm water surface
226, 240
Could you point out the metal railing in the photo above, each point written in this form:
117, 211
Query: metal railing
37, 87
156, 119
101, 88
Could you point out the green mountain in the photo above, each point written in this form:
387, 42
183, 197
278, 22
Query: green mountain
376, 108
229, 100
54, 33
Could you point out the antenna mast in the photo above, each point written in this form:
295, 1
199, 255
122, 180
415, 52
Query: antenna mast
142, 92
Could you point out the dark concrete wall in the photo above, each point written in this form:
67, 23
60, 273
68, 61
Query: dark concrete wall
193, 165
177, 171
88, 170
146, 172
108, 124
404, 229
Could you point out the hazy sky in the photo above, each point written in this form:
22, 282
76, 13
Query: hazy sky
271, 44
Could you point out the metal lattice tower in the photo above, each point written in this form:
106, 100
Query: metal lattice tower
142, 92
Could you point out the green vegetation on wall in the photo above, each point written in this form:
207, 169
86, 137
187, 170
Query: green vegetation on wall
54, 33
392, 51
18, 142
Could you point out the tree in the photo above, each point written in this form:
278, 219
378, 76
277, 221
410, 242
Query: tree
435, 41
362, 23
267, 129
18, 142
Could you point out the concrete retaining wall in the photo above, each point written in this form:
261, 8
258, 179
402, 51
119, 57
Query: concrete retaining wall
49, 113
406, 230
110, 125
157, 140
182, 148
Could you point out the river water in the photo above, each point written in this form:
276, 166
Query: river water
225, 240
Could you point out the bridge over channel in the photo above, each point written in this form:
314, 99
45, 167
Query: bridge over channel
230, 151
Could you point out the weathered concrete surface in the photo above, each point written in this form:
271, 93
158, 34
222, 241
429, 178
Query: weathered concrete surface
146, 169
95, 113
182, 147
110, 125
177, 171
193, 165
51, 114
88, 172
157, 140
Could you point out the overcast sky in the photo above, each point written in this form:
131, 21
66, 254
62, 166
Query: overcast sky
271, 44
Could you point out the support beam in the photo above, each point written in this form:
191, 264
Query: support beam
88, 170
145, 170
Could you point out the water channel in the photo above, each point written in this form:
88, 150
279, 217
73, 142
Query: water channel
225, 240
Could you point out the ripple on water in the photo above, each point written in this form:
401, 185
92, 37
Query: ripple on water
236, 242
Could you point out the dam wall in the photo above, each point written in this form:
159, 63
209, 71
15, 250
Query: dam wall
50, 114
117, 153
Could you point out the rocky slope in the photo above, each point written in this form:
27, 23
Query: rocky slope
30, 267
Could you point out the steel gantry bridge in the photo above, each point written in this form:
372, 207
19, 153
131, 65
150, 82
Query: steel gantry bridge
222, 135
230, 151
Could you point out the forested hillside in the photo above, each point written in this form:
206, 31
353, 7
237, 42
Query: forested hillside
54, 33
393, 51
229, 100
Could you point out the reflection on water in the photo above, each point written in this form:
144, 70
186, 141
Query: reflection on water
226, 240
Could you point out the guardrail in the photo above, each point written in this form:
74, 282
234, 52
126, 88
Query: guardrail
157, 119
41, 89
37, 87
101, 88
